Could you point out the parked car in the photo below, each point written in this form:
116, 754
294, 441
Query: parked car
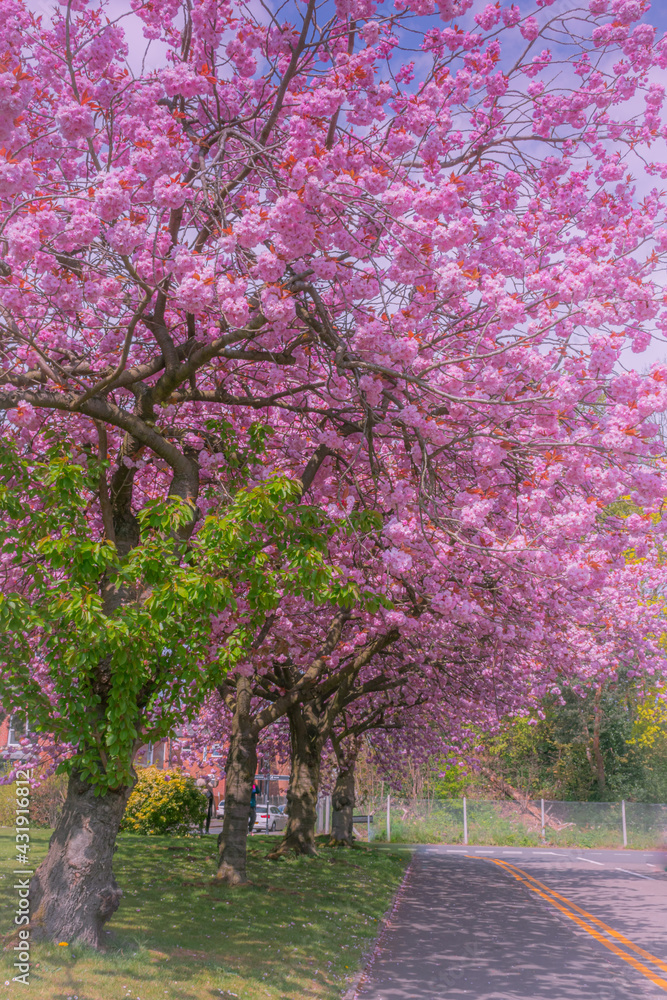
220, 811
274, 820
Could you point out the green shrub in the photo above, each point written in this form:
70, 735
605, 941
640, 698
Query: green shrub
7, 805
47, 799
164, 802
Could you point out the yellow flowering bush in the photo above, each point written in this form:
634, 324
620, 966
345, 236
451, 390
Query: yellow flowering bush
650, 728
164, 802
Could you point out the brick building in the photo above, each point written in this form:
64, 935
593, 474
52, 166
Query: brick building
12, 728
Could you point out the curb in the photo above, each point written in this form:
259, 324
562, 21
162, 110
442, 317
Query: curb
371, 954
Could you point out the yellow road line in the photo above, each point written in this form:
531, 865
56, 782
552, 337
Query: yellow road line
589, 916
639, 966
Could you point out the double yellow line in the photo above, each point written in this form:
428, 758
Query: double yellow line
589, 923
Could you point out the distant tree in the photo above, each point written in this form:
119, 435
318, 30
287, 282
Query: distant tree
601, 744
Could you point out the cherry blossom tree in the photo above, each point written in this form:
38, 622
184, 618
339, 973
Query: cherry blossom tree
397, 707
412, 284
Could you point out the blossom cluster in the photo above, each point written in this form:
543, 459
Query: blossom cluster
426, 279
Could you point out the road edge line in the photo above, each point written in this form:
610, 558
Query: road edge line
370, 954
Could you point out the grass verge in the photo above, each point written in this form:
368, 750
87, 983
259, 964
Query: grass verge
297, 932
487, 825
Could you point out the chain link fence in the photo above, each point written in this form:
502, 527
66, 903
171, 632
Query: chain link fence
641, 825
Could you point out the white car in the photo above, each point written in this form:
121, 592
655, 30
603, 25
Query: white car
220, 811
274, 820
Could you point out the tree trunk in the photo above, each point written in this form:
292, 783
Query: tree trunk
239, 777
306, 745
73, 892
342, 802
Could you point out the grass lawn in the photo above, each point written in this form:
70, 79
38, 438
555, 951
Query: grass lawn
297, 932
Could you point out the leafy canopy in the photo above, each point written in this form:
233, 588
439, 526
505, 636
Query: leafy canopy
107, 650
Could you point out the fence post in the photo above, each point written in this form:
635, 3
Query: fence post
625, 829
388, 818
465, 821
368, 826
542, 803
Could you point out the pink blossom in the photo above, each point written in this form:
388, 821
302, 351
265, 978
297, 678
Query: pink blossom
530, 29
23, 239
196, 291
182, 81
397, 562
15, 177
269, 267
511, 15
111, 198
488, 17
14, 97
277, 304
75, 121
124, 237
487, 453
370, 32
169, 193
231, 293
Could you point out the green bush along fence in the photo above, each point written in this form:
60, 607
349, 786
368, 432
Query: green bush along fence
492, 822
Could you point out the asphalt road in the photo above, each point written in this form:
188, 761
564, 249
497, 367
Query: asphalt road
484, 924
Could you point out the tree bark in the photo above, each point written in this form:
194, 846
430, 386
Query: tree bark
73, 892
342, 802
306, 744
239, 777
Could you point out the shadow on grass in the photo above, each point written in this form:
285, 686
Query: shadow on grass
296, 932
